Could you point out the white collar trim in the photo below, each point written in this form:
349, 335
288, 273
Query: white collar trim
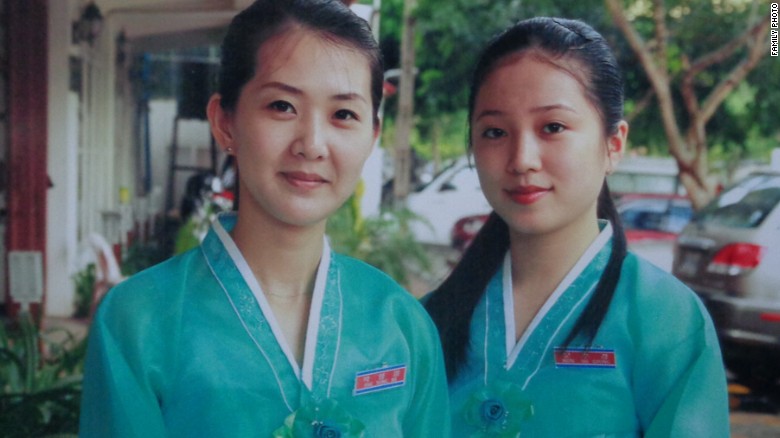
312, 328
587, 257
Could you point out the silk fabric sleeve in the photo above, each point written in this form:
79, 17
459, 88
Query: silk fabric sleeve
116, 401
696, 402
429, 414
679, 379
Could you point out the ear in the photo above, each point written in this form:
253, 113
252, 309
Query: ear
220, 123
616, 146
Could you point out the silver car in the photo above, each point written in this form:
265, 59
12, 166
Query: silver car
730, 255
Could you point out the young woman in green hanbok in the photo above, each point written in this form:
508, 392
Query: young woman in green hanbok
263, 331
549, 327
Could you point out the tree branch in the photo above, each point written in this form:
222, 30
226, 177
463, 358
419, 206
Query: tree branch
687, 89
725, 51
687, 84
659, 17
738, 73
641, 105
658, 78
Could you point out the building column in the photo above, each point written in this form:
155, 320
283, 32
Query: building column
28, 181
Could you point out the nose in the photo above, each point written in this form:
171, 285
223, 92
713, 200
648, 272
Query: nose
524, 155
311, 141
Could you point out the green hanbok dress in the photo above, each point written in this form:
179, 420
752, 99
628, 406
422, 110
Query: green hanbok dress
653, 370
190, 348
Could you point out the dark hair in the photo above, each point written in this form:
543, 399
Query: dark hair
583, 52
264, 19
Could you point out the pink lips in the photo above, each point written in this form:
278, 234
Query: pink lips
527, 195
304, 180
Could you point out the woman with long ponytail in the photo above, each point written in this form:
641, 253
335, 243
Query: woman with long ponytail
549, 326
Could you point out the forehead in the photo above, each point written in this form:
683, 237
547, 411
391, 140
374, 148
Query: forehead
566, 62
301, 49
535, 75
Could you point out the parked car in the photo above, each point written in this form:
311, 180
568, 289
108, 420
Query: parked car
452, 194
465, 229
652, 223
730, 255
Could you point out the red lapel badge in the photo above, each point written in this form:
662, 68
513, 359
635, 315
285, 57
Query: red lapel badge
379, 379
584, 358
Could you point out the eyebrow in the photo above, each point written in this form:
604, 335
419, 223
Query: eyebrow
556, 106
350, 96
538, 109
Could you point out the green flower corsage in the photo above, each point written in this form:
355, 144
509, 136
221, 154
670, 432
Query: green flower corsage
497, 410
323, 420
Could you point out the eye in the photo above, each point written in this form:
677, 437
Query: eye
345, 114
553, 128
493, 133
282, 106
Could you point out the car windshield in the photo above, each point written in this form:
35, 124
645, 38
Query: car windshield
745, 205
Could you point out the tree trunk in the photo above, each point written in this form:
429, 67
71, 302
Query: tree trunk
690, 150
405, 116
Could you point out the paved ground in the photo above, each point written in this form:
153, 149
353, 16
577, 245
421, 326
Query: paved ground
752, 425
755, 412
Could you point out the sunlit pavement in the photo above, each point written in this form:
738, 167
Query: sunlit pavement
755, 412
751, 425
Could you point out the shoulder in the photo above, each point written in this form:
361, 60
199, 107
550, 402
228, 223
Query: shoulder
371, 288
360, 273
658, 301
151, 288
677, 371
652, 284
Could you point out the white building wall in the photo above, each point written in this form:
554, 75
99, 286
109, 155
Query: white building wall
99, 156
84, 162
62, 167
161, 114
372, 178
127, 188
194, 147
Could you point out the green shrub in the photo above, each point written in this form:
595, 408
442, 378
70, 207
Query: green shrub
385, 242
140, 256
40, 394
85, 285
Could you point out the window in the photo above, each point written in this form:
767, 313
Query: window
745, 205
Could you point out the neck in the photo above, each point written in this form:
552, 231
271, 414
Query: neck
540, 262
283, 258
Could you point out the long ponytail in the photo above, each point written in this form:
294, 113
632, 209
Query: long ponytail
452, 304
591, 318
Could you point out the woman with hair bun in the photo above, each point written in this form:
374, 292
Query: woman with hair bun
263, 331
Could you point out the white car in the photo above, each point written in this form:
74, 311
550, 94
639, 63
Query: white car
729, 254
453, 194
